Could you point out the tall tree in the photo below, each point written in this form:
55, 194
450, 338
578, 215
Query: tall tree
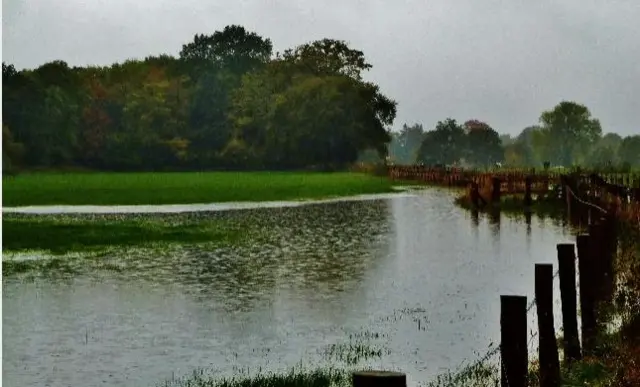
570, 129
404, 145
234, 48
328, 57
483, 145
443, 145
629, 151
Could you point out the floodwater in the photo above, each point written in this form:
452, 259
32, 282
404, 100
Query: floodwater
180, 208
411, 276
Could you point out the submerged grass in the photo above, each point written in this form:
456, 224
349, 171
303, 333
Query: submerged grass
60, 236
294, 378
184, 187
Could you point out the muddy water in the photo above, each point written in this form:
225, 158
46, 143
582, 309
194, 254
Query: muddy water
412, 277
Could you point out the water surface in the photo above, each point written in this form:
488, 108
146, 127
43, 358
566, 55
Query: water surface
422, 274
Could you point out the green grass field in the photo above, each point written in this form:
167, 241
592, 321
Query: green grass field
181, 188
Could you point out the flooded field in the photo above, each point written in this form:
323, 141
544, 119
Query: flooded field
400, 282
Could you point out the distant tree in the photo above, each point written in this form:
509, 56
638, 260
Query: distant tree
404, 145
328, 57
629, 151
443, 145
217, 63
604, 153
308, 118
234, 48
506, 139
483, 145
515, 154
569, 129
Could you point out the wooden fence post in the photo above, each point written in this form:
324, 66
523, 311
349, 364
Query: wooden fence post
513, 341
548, 346
567, 268
379, 379
587, 302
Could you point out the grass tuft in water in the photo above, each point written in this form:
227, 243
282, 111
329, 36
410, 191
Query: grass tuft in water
60, 236
294, 378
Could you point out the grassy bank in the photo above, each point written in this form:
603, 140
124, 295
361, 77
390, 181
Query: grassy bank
183, 187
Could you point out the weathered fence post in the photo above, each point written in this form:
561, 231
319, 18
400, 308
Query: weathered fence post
495, 190
548, 346
513, 341
587, 302
379, 379
567, 268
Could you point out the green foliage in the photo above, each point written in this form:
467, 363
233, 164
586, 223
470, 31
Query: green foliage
224, 103
474, 142
444, 145
567, 130
192, 187
12, 152
484, 146
629, 151
404, 146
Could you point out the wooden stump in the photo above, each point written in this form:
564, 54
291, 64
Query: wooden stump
376, 378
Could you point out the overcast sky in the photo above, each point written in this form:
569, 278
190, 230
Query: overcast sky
502, 62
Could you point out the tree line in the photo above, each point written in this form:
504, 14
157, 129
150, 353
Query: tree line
567, 135
226, 102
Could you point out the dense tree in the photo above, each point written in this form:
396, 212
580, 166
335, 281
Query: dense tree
328, 57
443, 145
234, 49
567, 130
404, 145
224, 103
228, 102
483, 145
629, 151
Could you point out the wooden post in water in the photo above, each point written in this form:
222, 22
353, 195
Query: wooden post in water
513, 341
379, 379
495, 191
567, 268
587, 302
548, 346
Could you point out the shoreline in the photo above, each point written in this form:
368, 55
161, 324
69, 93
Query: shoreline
197, 207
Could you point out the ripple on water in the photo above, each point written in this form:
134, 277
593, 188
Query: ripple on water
196, 207
412, 279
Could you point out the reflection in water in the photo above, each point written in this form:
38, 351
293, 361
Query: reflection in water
309, 278
475, 217
527, 220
